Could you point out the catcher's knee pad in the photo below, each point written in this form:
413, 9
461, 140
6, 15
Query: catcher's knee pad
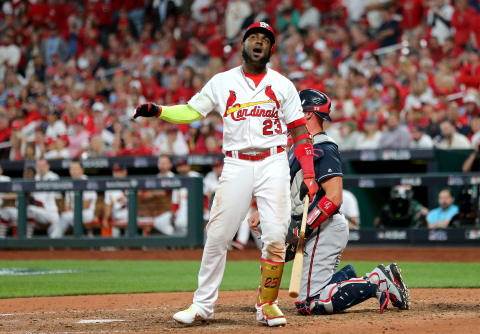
344, 295
343, 274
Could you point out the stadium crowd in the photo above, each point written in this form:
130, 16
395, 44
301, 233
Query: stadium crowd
401, 73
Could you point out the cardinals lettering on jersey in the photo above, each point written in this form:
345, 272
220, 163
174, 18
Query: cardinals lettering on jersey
241, 111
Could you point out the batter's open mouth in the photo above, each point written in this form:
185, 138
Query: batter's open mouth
257, 51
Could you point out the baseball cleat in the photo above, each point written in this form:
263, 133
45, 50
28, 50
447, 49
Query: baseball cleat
396, 273
383, 298
189, 316
270, 314
400, 297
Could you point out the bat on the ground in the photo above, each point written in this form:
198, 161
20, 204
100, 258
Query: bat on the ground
297, 267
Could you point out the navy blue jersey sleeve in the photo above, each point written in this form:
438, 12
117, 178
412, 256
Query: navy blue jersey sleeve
330, 164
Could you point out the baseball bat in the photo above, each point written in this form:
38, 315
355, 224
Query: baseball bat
297, 267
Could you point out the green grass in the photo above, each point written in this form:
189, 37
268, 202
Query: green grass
98, 277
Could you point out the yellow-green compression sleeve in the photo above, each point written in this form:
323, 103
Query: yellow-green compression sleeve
180, 114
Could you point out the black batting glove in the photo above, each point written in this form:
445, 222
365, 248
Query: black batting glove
147, 110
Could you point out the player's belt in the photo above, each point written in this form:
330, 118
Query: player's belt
256, 156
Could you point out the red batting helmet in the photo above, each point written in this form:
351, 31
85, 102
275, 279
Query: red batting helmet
316, 102
264, 28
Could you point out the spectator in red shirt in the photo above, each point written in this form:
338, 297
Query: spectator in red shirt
176, 93
412, 13
37, 12
476, 31
470, 73
206, 130
135, 144
212, 145
88, 34
5, 131
462, 21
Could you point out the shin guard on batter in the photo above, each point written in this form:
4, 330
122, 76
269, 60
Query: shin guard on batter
268, 311
338, 297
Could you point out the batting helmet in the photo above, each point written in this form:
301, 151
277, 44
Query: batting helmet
264, 28
316, 102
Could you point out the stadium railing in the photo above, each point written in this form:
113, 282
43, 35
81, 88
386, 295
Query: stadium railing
131, 185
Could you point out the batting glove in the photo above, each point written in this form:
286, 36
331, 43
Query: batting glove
310, 187
147, 110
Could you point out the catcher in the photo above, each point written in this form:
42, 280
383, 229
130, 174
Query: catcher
323, 290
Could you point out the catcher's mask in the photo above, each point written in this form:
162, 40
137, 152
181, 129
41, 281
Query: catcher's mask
317, 102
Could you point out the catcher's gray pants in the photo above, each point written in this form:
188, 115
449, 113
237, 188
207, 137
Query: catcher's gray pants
322, 255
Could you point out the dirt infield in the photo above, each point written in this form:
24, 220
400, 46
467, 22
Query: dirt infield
433, 310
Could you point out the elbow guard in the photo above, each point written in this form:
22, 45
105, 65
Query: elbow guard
324, 209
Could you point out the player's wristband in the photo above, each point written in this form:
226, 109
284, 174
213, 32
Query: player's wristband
324, 209
296, 123
159, 111
304, 154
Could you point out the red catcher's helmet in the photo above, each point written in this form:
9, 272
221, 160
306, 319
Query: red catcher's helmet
264, 28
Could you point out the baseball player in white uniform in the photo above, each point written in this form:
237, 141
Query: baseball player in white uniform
116, 203
88, 210
258, 106
163, 222
4, 223
9, 214
47, 213
179, 213
42, 207
180, 198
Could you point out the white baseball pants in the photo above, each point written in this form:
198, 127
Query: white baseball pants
66, 219
269, 181
39, 214
122, 216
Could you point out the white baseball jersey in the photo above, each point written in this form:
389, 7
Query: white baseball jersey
350, 205
47, 198
180, 198
210, 183
117, 199
253, 117
86, 195
3, 178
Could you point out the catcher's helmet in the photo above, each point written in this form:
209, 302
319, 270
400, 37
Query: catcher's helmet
264, 28
316, 102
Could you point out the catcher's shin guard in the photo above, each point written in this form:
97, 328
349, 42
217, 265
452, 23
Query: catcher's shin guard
342, 296
268, 311
343, 274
